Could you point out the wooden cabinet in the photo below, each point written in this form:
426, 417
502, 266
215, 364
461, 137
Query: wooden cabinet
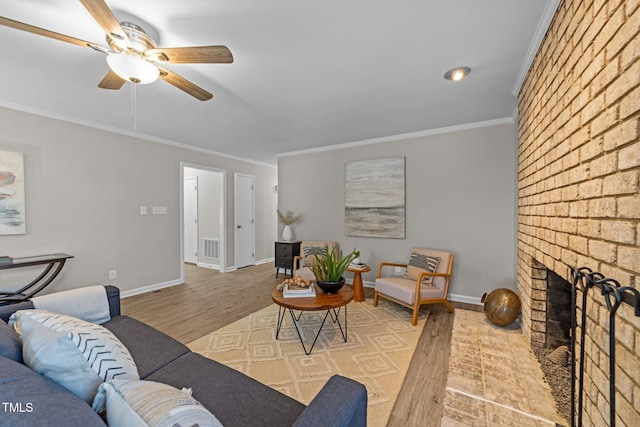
285, 251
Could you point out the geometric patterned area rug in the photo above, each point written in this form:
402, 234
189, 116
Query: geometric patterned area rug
379, 348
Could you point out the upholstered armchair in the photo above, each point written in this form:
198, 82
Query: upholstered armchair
308, 249
425, 281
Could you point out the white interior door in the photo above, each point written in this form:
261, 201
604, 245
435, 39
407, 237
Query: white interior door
244, 219
191, 220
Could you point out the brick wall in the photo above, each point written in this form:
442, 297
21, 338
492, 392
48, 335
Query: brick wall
578, 182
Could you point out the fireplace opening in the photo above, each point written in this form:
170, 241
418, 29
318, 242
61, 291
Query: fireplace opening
558, 311
553, 347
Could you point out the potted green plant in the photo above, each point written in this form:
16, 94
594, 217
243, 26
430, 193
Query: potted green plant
330, 267
287, 219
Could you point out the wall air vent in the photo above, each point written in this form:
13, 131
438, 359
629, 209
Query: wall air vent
211, 248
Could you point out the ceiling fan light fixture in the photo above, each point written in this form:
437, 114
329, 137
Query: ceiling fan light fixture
133, 68
457, 74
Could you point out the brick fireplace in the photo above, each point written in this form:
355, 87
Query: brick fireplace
578, 182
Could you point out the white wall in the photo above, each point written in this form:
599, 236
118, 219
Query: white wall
84, 191
460, 196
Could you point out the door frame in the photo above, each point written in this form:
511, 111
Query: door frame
197, 249
235, 214
223, 209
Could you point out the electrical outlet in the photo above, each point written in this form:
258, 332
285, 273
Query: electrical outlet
113, 274
399, 269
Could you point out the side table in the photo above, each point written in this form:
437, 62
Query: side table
358, 288
285, 252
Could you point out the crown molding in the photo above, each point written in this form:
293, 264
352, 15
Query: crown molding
113, 129
400, 137
541, 31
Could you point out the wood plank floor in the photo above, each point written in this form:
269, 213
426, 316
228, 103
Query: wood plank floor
210, 300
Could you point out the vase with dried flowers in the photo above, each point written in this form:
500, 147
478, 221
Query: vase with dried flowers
287, 219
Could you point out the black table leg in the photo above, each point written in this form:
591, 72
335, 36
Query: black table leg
332, 313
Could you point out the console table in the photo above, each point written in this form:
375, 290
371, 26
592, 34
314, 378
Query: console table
285, 252
53, 264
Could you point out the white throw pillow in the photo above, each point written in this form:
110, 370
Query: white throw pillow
76, 354
135, 403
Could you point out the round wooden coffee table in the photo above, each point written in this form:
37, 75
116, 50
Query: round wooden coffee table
332, 303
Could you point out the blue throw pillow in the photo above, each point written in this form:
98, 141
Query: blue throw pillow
76, 354
10, 343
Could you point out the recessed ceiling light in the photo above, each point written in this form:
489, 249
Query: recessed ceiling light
457, 74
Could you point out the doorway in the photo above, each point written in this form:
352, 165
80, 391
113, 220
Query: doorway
245, 226
203, 244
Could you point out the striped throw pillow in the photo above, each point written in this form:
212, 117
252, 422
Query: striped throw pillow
419, 263
310, 253
135, 403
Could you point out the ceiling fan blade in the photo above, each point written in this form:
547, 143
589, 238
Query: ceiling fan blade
192, 55
42, 32
111, 81
104, 16
184, 85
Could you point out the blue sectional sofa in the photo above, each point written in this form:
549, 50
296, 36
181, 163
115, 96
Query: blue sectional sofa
30, 399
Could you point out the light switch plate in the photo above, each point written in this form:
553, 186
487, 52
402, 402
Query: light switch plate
159, 210
143, 210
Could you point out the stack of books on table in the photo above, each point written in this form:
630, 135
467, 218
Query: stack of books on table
295, 291
358, 265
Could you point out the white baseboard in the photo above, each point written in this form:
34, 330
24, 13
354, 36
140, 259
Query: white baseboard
207, 265
150, 288
452, 297
286, 271
465, 299
257, 262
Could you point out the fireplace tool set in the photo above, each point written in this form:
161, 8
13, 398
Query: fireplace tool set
584, 280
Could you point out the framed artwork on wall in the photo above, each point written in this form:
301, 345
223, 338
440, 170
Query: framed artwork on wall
12, 196
374, 193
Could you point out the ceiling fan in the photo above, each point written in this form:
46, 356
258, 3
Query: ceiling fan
132, 53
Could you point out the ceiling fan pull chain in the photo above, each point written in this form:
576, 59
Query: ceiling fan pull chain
133, 106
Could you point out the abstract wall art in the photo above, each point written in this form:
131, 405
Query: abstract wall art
375, 198
12, 196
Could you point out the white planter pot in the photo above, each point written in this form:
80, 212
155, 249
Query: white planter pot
287, 234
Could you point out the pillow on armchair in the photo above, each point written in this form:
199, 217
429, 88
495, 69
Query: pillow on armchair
308, 251
309, 254
420, 262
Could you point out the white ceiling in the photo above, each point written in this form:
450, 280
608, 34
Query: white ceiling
305, 74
